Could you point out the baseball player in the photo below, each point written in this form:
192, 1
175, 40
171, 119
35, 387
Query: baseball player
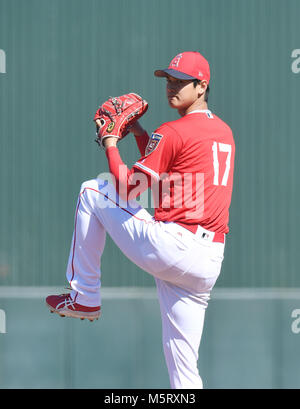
188, 163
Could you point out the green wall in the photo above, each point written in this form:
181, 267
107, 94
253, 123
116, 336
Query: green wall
64, 57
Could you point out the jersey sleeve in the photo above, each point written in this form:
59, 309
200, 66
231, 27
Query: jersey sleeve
142, 142
163, 146
129, 184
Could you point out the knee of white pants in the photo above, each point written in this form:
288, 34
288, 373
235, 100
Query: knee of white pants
95, 191
98, 194
92, 184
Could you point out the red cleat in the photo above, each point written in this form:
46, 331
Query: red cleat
66, 307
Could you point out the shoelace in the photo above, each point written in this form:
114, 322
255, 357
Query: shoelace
67, 302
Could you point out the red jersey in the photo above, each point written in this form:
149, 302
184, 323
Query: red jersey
192, 159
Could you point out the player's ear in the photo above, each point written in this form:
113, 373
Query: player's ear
202, 86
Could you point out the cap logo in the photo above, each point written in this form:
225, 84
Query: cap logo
176, 60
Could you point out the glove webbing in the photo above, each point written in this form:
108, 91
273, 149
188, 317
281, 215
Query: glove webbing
117, 105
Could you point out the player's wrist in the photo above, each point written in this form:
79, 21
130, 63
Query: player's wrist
110, 142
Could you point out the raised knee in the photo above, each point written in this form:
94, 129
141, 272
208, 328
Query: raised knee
89, 184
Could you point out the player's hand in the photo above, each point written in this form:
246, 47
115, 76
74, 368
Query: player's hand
107, 142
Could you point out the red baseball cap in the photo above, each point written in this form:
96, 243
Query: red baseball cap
187, 66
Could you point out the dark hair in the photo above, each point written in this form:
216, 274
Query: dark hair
196, 82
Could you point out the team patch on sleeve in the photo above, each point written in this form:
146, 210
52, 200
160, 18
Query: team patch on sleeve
153, 143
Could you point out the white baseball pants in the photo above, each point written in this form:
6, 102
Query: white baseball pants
184, 265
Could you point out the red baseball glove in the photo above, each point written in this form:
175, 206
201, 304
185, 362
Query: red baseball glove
117, 115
